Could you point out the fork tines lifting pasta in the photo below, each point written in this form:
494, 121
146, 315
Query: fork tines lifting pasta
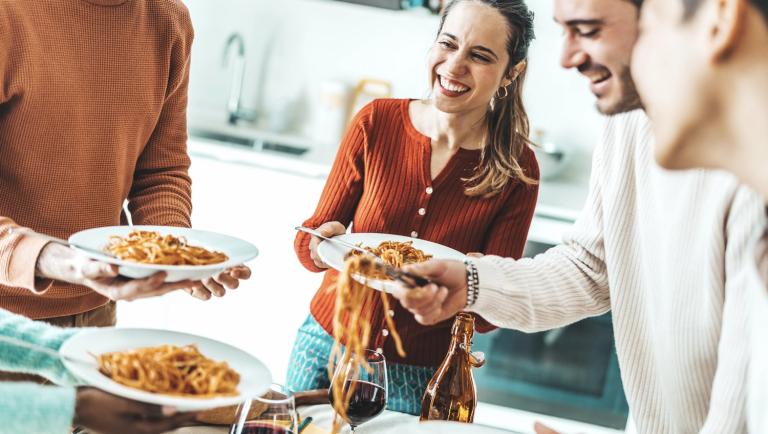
396, 254
170, 370
149, 247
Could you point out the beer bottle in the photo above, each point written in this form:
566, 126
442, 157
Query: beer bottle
451, 393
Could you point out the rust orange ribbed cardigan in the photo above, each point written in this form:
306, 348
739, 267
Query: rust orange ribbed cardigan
381, 182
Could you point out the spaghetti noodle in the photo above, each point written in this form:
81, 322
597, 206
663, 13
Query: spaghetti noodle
396, 254
149, 247
170, 370
351, 320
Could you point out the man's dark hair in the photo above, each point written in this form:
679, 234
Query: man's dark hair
691, 6
763, 6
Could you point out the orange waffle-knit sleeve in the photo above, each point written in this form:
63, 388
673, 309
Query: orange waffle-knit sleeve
18, 258
18, 253
5, 52
161, 190
509, 231
344, 186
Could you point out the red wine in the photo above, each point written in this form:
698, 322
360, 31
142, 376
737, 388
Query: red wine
368, 401
264, 428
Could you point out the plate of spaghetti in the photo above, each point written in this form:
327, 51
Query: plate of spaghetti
183, 253
397, 250
165, 368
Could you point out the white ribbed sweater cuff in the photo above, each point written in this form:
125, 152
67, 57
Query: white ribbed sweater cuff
493, 296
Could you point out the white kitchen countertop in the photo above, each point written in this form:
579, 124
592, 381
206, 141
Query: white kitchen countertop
495, 420
312, 164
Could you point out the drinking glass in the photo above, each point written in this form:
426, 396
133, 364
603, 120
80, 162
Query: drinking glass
273, 413
369, 388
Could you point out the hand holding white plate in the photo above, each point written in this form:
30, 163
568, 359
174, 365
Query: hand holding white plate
255, 378
335, 255
238, 251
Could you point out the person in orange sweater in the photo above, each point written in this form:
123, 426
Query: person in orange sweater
93, 97
456, 169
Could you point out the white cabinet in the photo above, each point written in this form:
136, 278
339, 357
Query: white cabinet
262, 206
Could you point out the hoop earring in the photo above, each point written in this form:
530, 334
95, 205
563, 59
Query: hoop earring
506, 93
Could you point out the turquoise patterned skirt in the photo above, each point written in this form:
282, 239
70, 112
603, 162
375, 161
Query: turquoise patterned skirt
308, 369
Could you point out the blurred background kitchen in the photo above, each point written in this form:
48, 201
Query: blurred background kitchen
272, 85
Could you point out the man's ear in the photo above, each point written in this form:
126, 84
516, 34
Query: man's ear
726, 27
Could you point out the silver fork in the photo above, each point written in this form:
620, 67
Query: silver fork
408, 279
63, 242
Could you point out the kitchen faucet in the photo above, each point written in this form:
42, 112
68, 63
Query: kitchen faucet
235, 111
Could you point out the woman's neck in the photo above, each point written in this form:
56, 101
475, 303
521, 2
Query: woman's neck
457, 130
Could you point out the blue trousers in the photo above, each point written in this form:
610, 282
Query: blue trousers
308, 369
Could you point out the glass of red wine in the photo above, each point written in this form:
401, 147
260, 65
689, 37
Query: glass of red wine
272, 413
368, 387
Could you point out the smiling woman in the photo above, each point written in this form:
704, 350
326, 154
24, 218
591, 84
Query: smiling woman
455, 169
497, 63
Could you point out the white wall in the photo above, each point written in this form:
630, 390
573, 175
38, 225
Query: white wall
305, 42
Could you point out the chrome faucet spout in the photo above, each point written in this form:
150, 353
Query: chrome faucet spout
234, 102
234, 38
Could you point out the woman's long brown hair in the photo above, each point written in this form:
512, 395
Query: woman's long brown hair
507, 126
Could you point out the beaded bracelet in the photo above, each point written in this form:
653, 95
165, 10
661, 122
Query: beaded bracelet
473, 283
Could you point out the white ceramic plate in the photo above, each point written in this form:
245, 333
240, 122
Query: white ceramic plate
239, 251
255, 378
334, 254
441, 427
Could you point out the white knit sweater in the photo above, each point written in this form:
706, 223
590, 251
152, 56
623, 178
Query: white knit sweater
666, 252
758, 379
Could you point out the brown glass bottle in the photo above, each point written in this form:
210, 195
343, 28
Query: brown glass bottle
451, 393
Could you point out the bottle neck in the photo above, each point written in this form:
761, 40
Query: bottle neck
460, 343
463, 328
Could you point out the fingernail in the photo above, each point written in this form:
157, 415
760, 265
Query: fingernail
169, 411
